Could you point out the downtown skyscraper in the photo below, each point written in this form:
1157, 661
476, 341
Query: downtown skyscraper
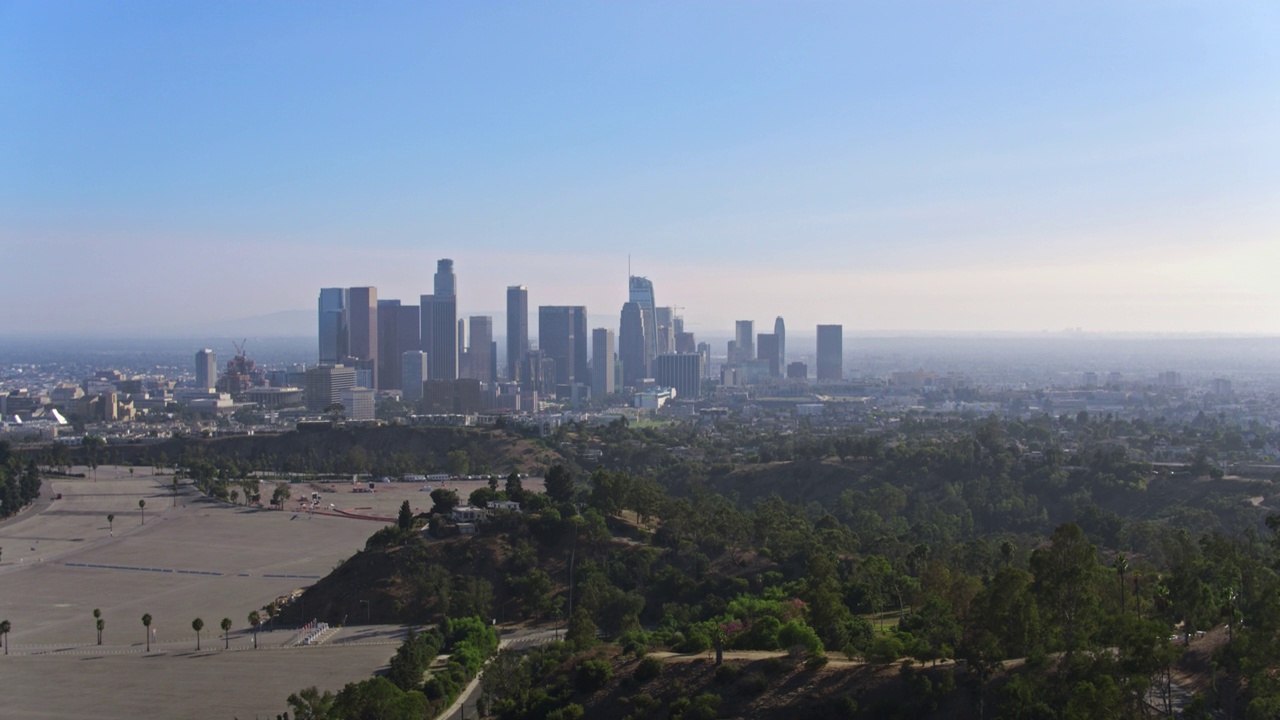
640, 292
744, 341
562, 336
780, 329
631, 345
206, 369
399, 331
517, 329
440, 324
479, 353
830, 352
602, 363
334, 330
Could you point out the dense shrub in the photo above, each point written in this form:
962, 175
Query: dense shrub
648, 669
592, 675
753, 683
795, 634
572, 711
703, 707
727, 673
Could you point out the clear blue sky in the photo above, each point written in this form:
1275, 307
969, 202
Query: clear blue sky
896, 165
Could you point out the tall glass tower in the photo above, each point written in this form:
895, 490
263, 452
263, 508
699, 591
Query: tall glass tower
517, 329
641, 293
631, 346
780, 329
334, 329
830, 352
440, 324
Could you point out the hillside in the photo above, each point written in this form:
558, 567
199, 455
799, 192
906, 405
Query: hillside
513, 571
865, 495
776, 687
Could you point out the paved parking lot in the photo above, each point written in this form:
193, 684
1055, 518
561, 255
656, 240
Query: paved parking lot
193, 557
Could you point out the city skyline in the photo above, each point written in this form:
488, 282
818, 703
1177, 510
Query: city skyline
935, 167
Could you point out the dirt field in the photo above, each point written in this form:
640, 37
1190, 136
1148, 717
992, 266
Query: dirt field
192, 558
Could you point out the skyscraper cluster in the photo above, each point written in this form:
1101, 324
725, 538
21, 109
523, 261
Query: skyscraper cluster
426, 350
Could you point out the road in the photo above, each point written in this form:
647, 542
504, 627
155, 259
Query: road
465, 706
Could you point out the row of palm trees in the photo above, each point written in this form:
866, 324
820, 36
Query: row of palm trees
255, 621
100, 623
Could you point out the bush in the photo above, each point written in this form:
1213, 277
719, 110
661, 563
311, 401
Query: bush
885, 649
796, 634
695, 641
592, 675
773, 666
572, 711
726, 674
648, 669
643, 704
754, 683
704, 707
815, 662
635, 642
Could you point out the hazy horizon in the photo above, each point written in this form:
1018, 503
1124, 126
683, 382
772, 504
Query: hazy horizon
301, 324
950, 167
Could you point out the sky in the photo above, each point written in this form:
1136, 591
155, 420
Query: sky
908, 166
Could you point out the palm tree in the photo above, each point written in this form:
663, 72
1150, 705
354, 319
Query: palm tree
1122, 567
197, 625
226, 632
255, 619
142, 505
5, 627
146, 622
272, 611
111, 519
99, 622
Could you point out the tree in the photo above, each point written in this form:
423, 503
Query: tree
405, 520
5, 627
255, 619
310, 704
226, 633
197, 625
146, 623
1064, 583
581, 633
1121, 565
280, 495
111, 519
457, 462
142, 505
514, 485
559, 484
99, 623
335, 411
444, 501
